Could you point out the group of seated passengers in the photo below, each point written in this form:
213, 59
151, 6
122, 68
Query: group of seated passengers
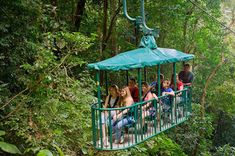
128, 95
184, 78
122, 118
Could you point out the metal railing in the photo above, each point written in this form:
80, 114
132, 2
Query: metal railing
144, 120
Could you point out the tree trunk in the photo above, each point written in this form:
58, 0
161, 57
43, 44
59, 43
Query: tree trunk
113, 6
79, 13
212, 74
189, 12
108, 33
105, 19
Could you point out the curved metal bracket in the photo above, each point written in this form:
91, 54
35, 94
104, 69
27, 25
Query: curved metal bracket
143, 17
125, 12
140, 20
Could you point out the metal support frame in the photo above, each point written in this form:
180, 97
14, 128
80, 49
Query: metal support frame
106, 82
139, 84
174, 72
98, 87
173, 110
133, 136
99, 103
158, 80
149, 30
139, 21
145, 74
127, 78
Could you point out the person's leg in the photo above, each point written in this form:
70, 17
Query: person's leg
103, 121
144, 115
118, 128
113, 113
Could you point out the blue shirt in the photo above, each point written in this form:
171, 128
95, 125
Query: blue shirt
167, 90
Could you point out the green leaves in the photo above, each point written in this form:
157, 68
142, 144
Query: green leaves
2, 133
58, 150
225, 150
44, 152
194, 134
9, 148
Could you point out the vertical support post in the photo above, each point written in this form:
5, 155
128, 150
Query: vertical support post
190, 99
186, 101
135, 115
159, 93
158, 80
140, 100
159, 117
93, 126
155, 123
145, 74
174, 116
99, 103
174, 71
139, 84
127, 78
98, 87
106, 82
110, 131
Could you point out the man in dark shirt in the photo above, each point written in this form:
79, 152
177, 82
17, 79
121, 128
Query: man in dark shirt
186, 76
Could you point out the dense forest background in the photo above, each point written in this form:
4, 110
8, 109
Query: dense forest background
46, 89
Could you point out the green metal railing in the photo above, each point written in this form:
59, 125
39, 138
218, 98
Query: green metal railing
138, 125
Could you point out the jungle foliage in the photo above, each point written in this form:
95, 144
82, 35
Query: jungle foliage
46, 90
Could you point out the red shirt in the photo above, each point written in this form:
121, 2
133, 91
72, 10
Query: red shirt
135, 93
180, 84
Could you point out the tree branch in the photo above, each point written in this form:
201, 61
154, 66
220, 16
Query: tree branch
111, 27
212, 74
16, 108
8, 102
231, 23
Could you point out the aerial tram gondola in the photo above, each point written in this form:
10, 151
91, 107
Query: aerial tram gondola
147, 55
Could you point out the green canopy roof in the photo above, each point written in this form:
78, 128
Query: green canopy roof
141, 57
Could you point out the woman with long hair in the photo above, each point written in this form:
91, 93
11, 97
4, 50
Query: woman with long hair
122, 117
111, 101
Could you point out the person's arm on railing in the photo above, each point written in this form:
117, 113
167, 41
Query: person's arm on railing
188, 84
121, 113
149, 97
181, 87
170, 93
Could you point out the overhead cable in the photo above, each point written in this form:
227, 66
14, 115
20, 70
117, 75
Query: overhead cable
225, 26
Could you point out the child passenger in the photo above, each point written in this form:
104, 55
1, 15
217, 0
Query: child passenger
179, 83
166, 88
167, 91
180, 86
